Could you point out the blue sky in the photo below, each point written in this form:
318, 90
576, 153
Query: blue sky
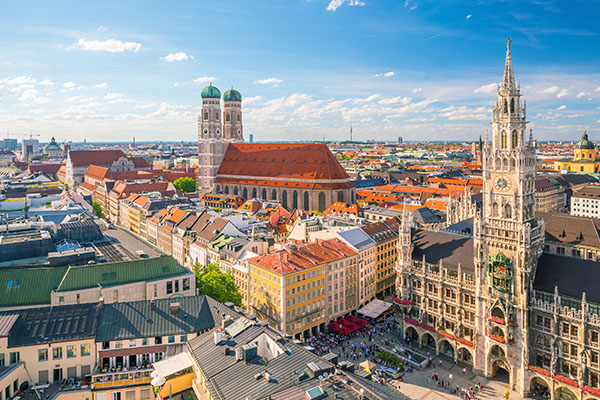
424, 70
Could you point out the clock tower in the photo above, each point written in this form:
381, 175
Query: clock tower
508, 238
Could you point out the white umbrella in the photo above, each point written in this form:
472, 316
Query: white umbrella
158, 381
154, 374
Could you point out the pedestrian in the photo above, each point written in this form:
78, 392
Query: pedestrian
440, 362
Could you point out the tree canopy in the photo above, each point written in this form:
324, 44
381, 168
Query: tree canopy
98, 209
212, 282
185, 184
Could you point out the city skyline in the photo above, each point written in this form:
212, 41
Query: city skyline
306, 69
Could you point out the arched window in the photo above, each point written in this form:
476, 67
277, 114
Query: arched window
235, 191
245, 194
306, 205
206, 115
227, 117
274, 195
495, 209
226, 189
264, 194
295, 200
284, 198
321, 201
340, 196
507, 211
503, 140
238, 117
217, 115
512, 106
515, 139
512, 162
253, 193
505, 107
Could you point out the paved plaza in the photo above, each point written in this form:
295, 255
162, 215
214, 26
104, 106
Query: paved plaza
415, 384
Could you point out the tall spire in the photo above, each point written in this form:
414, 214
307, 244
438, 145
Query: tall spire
508, 82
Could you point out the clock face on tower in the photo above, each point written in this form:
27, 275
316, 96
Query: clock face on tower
502, 183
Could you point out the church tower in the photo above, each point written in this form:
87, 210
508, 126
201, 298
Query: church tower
211, 146
508, 239
232, 116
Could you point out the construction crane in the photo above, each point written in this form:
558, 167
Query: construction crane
30, 134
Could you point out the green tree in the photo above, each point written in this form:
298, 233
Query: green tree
212, 282
185, 184
98, 209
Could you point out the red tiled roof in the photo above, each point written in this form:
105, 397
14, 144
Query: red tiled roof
97, 173
342, 208
139, 162
46, 168
123, 189
307, 161
81, 158
298, 258
87, 186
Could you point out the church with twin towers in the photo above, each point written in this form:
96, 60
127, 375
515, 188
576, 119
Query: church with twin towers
299, 176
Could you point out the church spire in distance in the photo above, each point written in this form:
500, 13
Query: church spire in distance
508, 81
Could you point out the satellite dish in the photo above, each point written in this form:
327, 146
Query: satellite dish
158, 381
325, 375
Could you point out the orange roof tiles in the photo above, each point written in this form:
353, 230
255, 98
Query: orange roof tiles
82, 158
283, 161
340, 208
296, 259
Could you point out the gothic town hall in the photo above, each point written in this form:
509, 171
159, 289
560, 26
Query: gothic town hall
504, 299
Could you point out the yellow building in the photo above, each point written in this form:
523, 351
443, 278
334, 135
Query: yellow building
584, 160
287, 289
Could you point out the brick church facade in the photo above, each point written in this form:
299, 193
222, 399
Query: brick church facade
303, 176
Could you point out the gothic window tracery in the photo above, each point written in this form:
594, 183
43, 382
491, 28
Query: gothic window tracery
503, 141
515, 139
505, 107
507, 211
512, 106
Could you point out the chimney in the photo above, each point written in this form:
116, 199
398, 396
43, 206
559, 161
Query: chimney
101, 302
174, 308
152, 306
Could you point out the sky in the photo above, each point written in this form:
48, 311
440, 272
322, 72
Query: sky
307, 69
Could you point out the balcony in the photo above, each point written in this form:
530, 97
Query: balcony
123, 378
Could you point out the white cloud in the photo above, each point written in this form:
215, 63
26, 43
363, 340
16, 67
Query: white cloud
489, 88
176, 84
68, 85
417, 90
114, 98
410, 4
46, 82
101, 29
551, 90
598, 89
395, 100
268, 81
252, 100
32, 96
180, 56
335, 4
562, 93
385, 74
145, 106
580, 95
102, 85
469, 16
19, 81
204, 79
563, 107
110, 45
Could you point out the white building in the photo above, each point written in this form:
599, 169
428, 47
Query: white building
586, 202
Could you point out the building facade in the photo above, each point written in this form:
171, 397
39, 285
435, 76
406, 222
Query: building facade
500, 299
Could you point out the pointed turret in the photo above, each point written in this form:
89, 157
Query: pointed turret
508, 81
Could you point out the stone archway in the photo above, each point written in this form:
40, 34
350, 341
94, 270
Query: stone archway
500, 371
446, 348
565, 393
538, 386
411, 333
427, 340
465, 355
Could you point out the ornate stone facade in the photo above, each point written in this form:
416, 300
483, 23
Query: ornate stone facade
493, 299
